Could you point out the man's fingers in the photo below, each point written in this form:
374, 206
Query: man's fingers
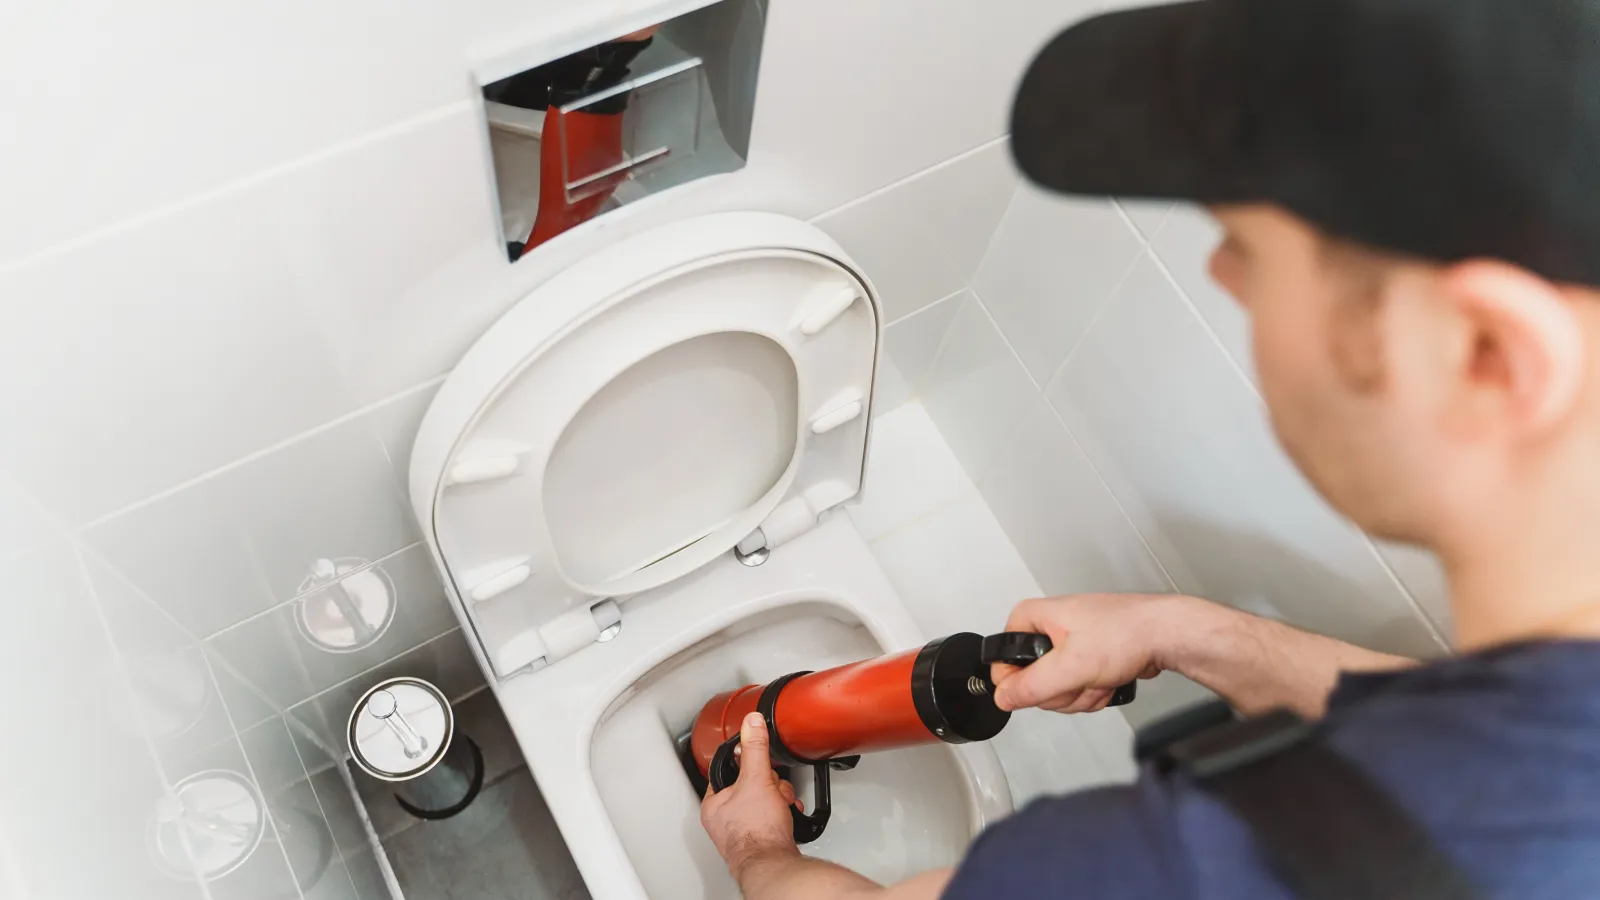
754, 763
1027, 616
1089, 701
999, 672
1057, 673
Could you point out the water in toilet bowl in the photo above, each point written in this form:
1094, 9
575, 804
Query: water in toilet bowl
896, 814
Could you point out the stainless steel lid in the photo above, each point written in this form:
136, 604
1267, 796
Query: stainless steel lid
400, 729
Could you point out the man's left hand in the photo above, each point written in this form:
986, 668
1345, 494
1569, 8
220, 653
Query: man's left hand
750, 818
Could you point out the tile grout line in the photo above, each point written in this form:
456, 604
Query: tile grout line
120, 664
1434, 628
1117, 501
255, 455
994, 236
309, 591
321, 808
1110, 301
917, 312
209, 195
1022, 420
250, 769
1106, 304
1161, 265
372, 668
880, 191
1194, 309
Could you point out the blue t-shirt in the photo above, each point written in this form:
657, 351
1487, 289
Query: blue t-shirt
1495, 755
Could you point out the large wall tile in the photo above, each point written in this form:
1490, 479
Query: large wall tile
156, 356
1185, 243
910, 473
1062, 518
978, 390
129, 106
913, 343
396, 423
303, 830
339, 629
333, 793
22, 524
396, 253
81, 782
233, 545
955, 569
245, 705
176, 701
944, 88
1146, 215
1050, 269
922, 239
265, 873
1184, 443
237, 322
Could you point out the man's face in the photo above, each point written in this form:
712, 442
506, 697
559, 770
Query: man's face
1320, 356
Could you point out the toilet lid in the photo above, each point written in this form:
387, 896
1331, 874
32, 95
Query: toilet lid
637, 416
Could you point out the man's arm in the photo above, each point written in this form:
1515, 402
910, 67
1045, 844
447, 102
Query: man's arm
790, 876
750, 825
1104, 640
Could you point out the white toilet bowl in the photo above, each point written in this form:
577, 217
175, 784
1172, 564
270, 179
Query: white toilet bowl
584, 477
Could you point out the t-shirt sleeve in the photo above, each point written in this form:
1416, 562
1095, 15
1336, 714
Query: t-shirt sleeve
1116, 843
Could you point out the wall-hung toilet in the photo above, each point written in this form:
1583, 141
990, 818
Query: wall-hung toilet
632, 485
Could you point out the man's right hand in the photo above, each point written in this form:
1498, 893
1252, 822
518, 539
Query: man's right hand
1101, 641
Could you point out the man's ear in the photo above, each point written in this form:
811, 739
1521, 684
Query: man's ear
1524, 364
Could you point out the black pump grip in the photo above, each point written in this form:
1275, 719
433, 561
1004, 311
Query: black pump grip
1020, 648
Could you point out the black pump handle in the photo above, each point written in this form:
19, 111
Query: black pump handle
1019, 648
807, 828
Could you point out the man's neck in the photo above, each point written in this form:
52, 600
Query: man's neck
1532, 587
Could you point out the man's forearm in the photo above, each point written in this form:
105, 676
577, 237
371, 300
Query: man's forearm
790, 876
1257, 664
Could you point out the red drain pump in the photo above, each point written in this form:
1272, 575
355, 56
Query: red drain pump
826, 720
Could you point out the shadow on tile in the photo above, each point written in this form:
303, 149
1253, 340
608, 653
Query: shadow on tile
505, 846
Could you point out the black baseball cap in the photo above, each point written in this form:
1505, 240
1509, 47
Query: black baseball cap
1444, 129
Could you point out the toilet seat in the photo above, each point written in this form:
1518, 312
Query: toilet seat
631, 420
696, 389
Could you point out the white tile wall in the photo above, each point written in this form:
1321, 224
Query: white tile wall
956, 569
1146, 215
1051, 268
1183, 245
233, 545
922, 239
977, 389
280, 654
1062, 518
78, 763
129, 107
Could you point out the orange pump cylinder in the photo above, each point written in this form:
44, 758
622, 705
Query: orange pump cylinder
857, 708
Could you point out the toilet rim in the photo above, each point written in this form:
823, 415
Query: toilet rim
566, 763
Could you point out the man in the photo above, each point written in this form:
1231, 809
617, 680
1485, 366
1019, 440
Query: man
1410, 191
